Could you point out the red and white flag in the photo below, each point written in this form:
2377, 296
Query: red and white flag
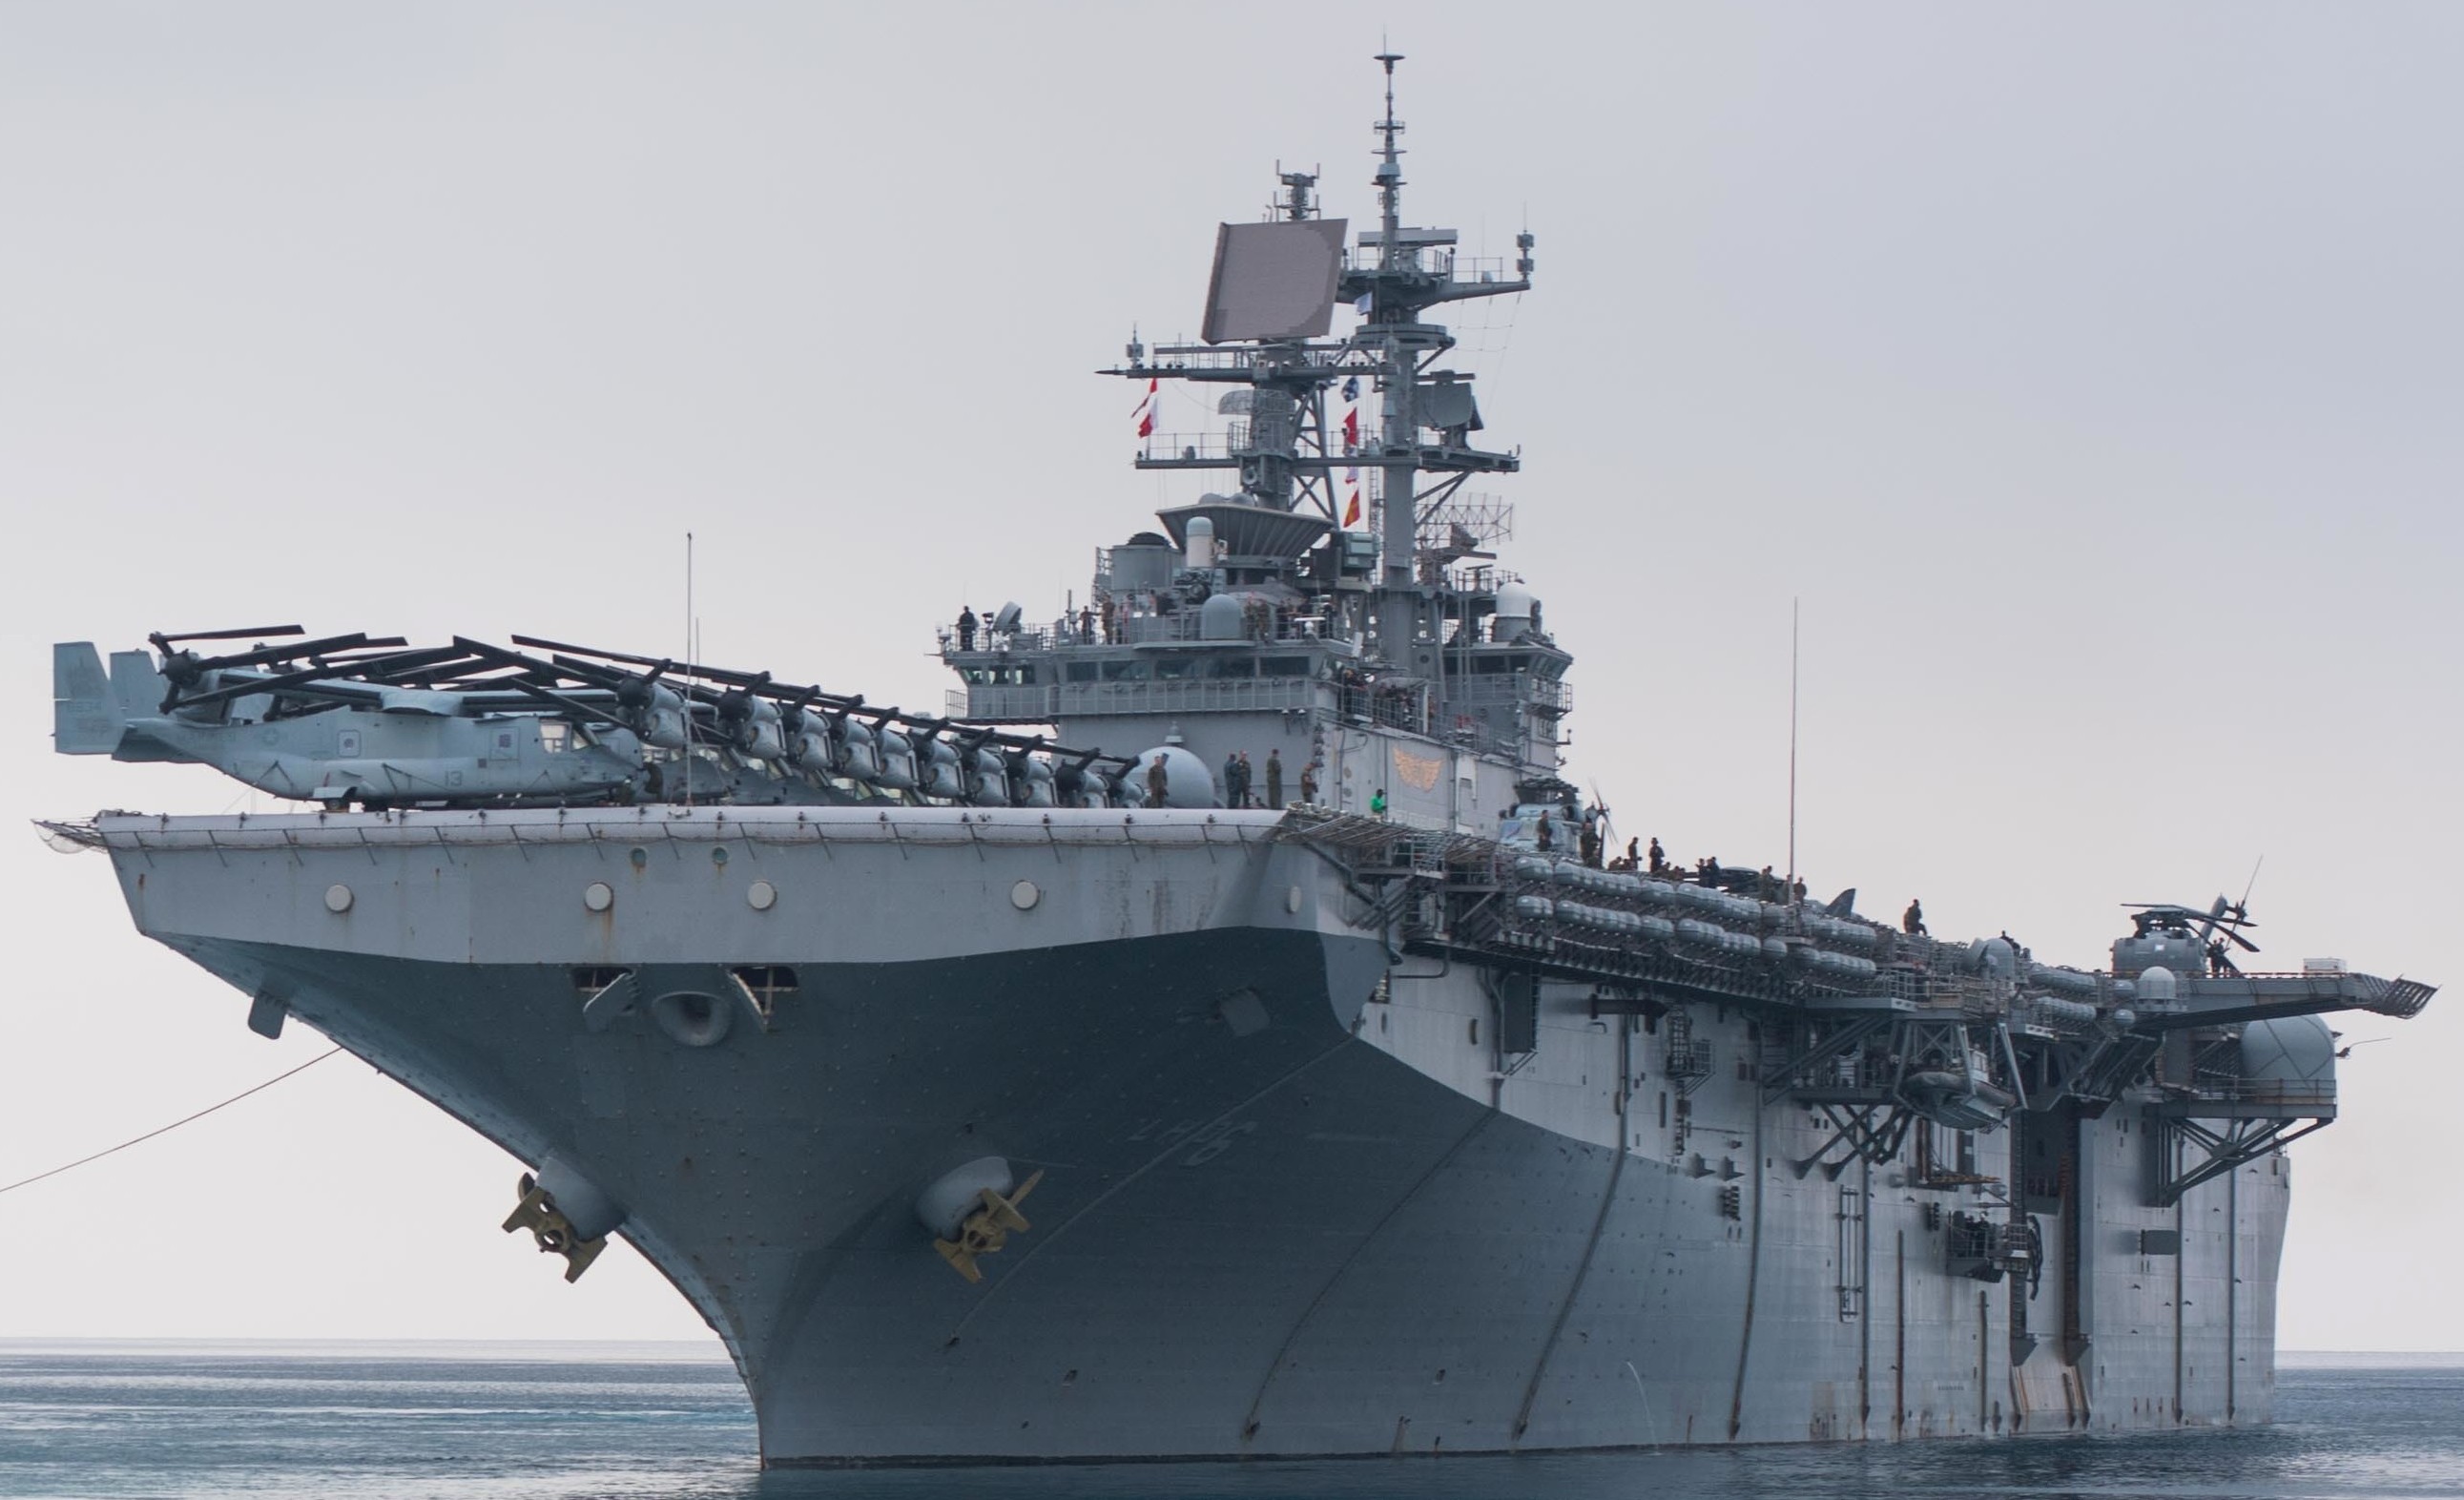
1146, 412
1351, 429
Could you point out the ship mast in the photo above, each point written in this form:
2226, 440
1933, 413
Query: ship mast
1400, 627
1413, 270
1285, 455
1400, 351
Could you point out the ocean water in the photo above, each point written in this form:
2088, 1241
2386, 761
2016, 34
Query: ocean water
553, 1423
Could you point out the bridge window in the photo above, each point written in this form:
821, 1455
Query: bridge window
1081, 671
1285, 667
1125, 672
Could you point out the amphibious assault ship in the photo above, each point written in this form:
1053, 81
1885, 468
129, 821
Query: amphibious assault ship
1031, 1081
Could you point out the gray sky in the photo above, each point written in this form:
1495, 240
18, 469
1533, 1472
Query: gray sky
2090, 372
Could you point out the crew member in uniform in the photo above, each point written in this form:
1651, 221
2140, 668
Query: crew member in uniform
966, 629
1912, 920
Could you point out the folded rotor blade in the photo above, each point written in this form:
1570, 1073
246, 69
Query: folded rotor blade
162, 641
254, 686
296, 650
572, 707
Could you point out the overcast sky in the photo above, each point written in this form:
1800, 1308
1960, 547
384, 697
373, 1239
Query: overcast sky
2090, 373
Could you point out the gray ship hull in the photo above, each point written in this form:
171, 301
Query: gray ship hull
1291, 1204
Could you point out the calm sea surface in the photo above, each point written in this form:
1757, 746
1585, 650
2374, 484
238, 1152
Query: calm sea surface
532, 1422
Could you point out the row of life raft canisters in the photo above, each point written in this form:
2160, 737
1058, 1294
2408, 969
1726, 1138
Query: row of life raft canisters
1693, 927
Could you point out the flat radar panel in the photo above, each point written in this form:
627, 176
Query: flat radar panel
1274, 280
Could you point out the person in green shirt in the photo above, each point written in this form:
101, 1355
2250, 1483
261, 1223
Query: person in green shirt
1377, 803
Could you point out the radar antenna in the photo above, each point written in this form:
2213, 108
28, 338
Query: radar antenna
1389, 180
1296, 204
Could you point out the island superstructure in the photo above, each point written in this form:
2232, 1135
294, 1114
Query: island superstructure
1032, 1081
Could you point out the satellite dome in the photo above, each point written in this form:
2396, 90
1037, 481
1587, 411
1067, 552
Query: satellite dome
1514, 604
2289, 1050
1187, 783
1222, 618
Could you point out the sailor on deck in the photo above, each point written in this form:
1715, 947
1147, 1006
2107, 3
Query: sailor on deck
1912, 920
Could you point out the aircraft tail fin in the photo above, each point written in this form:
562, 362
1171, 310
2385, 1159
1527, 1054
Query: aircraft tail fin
136, 684
86, 715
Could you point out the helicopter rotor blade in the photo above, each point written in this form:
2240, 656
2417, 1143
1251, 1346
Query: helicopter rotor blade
754, 681
604, 668
573, 708
162, 640
540, 644
2188, 913
400, 665
533, 666
298, 651
372, 670
254, 686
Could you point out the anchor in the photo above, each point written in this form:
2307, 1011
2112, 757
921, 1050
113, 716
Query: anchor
987, 1230
555, 1234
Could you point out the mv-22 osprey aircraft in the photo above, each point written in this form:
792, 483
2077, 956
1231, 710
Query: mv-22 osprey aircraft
350, 720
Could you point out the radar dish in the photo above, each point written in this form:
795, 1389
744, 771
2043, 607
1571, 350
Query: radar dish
1447, 403
1274, 280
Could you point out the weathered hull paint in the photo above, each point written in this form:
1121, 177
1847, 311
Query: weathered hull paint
1291, 1205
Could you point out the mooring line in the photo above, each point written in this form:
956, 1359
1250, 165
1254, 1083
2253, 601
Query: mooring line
174, 1125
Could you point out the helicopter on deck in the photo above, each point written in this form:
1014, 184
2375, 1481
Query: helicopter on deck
350, 720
